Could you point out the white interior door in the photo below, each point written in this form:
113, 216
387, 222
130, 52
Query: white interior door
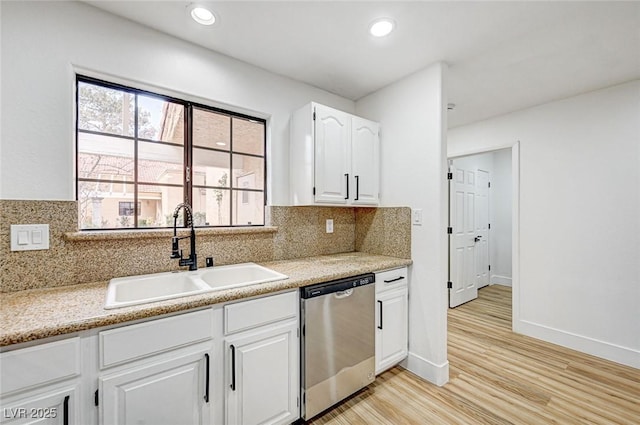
462, 241
482, 229
469, 241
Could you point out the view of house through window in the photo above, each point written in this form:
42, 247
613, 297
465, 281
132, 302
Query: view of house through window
139, 155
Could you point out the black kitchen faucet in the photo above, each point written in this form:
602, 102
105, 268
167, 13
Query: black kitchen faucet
176, 252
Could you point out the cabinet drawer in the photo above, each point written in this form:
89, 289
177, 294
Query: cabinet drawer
391, 279
153, 337
249, 314
39, 365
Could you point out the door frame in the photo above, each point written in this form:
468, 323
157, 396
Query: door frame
488, 230
515, 222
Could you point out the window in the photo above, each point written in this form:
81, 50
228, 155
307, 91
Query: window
126, 208
140, 154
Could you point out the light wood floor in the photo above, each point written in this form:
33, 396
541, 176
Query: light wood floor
498, 377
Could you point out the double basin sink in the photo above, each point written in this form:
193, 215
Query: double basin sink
134, 290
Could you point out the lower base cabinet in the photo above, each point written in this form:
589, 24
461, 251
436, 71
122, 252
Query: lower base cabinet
41, 384
262, 376
166, 392
52, 407
232, 364
391, 334
392, 318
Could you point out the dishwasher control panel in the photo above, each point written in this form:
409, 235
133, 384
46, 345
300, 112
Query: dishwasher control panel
324, 288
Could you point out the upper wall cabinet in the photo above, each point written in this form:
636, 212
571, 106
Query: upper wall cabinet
334, 157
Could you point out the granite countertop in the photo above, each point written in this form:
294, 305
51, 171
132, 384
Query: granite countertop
42, 313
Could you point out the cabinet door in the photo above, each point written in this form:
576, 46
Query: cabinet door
262, 376
332, 155
365, 162
391, 328
52, 407
168, 392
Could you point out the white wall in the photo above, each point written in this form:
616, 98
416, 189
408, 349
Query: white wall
44, 42
579, 271
412, 115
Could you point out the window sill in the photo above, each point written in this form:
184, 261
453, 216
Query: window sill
162, 233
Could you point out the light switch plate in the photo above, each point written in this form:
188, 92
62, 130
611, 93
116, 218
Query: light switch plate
29, 237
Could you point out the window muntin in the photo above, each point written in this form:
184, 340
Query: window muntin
150, 152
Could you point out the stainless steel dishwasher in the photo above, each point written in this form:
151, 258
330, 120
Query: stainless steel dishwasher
338, 341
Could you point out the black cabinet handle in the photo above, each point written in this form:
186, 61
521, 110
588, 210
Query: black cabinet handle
357, 188
380, 305
206, 378
233, 368
394, 280
65, 411
347, 176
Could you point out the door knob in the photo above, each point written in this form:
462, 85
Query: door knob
477, 238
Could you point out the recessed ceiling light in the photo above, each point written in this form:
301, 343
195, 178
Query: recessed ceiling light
202, 15
221, 144
381, 27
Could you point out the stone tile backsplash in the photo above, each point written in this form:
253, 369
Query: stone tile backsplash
384, 231
300, 233
37, 269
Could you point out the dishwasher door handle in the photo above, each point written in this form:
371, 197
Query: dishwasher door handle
344, 294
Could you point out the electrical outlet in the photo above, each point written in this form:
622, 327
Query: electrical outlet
329, 225
416, 217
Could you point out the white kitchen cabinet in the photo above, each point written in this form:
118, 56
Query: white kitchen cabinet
334, 158
332, 155
40, 384
157, 372
392, 318
167, 392
51, 406
365, 161
262, 363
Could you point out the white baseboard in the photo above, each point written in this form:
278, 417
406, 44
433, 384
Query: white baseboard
605, 350
436, 374
500, 280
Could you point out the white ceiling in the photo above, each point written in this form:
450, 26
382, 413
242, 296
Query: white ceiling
502, 56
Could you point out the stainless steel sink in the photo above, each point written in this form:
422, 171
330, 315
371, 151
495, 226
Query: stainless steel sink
134, 290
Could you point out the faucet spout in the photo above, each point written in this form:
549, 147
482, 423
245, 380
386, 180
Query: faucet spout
176, 252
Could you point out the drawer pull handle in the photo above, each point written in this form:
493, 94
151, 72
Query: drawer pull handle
206, 378
380, 305
347, 176
65, 411
394, 280
357, 188
233, 368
